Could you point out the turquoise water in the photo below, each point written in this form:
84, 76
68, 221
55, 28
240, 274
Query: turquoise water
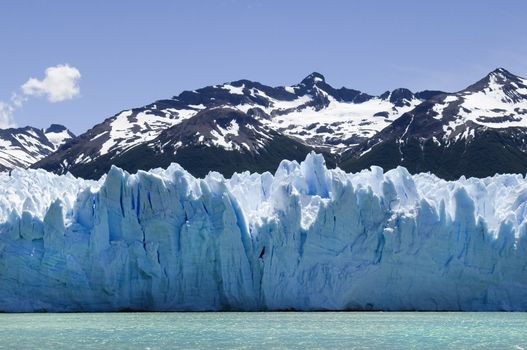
294, 330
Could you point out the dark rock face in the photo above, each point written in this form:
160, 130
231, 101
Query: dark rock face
401, 97
56, 128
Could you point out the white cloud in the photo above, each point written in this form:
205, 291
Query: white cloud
59, 84
6, 115
17, 100
8, 108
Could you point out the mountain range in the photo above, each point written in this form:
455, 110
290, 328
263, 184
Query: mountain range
245, 125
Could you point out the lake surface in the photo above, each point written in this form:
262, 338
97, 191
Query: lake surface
277, 330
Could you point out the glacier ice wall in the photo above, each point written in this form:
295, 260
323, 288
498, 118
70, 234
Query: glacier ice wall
305, 238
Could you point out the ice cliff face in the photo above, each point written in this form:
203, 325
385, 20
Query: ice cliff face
306, 238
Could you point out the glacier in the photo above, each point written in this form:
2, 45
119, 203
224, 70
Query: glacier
305, 238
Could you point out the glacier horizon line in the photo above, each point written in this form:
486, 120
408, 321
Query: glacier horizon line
167, 174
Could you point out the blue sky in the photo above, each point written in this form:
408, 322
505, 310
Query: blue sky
130, 53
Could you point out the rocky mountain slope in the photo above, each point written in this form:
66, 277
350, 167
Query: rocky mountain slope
220, 139
22, 147
311, 115
478, 131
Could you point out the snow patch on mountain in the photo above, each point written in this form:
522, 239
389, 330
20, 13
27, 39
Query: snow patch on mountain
220, 136
58, 138
499, 101
233, 89
340, 121
494, 108
127, 132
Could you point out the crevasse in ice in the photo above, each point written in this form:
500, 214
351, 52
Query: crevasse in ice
304, 238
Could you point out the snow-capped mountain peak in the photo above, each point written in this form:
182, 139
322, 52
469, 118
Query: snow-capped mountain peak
313, 79
22, 147
478, 131
497, 101
399, 97
58, 134
499, 78
503, 74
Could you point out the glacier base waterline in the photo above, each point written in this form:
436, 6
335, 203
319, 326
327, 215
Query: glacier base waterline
305, 238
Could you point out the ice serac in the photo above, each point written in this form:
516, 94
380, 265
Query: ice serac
305, 238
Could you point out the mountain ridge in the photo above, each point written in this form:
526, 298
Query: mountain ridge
478, 131
449, 134
23, 146
311, 114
